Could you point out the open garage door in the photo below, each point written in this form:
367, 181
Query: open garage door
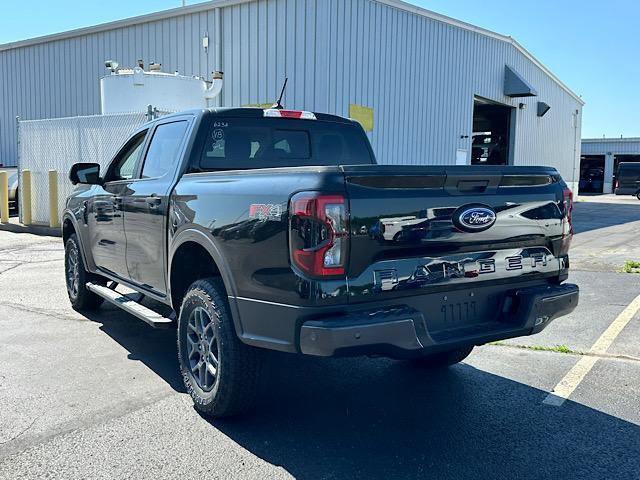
591, 174
492, 125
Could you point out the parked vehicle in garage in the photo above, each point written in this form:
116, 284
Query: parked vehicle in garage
628, 179
591, 180
262, 229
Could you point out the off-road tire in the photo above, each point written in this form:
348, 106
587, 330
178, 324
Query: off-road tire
76, 278
442, 359
235, 383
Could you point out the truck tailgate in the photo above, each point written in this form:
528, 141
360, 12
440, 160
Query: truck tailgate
417, 228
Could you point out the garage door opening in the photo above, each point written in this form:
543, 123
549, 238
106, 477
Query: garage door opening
492, 125
591, 174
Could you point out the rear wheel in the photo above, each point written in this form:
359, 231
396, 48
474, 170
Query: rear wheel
77, 277
443, 359
638, 195
219, 371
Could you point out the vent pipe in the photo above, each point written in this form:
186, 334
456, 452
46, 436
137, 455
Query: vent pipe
216, 87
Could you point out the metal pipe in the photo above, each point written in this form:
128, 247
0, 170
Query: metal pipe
214, 90
218, 46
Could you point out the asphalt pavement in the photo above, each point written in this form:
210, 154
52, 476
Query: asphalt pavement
99, 396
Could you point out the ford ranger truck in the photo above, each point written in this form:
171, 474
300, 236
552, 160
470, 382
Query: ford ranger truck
256, 229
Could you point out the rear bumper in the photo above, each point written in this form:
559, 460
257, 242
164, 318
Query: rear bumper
402, 331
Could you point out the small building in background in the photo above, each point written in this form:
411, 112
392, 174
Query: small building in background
599, 161
428, 89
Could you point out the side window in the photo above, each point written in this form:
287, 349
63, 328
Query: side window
124, 166
163, 151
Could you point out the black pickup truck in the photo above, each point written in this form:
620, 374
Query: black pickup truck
276, 229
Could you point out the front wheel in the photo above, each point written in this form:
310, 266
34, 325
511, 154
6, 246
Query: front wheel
638, 195
219, 371
443, 359
76, 277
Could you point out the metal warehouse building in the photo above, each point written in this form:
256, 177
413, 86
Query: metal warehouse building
428, 88
599, 161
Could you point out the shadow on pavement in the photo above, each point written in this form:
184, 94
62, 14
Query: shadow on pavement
156, 348
376, 418
592, 216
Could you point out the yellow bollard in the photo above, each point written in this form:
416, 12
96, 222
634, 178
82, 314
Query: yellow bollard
4, 197
25, 195
54, 221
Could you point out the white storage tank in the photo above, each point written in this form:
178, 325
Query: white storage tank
133, 89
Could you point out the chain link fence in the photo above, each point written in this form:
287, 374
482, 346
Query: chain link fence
56, 144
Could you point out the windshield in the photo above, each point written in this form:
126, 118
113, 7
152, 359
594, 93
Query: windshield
245, 143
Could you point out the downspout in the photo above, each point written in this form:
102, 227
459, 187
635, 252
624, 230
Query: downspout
218, 45
213, 94
575, 183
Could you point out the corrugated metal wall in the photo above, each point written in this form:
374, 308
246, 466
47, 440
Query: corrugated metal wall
626, 146
418, 74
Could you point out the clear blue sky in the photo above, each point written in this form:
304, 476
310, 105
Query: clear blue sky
594, 47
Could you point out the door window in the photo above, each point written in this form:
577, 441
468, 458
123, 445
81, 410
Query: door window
162, 155
124, 166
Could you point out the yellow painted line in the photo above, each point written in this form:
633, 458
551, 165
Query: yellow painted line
571, 380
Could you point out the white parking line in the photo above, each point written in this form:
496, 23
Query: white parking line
571, 380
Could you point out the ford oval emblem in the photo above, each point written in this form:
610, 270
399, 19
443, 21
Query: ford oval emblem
474, 218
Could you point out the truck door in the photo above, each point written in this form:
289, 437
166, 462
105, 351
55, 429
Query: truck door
105, 214
146, 204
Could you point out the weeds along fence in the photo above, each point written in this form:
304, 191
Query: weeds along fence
56, 144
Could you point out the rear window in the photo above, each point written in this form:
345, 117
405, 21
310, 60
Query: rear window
629, 168
245, 143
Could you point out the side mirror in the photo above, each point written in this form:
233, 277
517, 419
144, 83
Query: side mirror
88, 173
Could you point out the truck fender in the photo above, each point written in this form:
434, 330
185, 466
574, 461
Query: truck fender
204, 240
88, 261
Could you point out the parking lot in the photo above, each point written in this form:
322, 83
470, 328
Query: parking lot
100, 396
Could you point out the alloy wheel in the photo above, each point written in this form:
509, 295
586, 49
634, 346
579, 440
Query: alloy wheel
202, 348
73, 270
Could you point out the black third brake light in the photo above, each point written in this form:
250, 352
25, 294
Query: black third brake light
318, 233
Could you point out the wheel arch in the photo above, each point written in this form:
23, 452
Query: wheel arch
69, 227
194, 243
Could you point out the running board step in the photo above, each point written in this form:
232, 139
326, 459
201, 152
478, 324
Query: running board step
129, 305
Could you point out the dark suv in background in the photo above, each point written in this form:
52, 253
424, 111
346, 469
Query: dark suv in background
628, 179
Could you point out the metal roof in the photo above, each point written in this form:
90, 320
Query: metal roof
200, 7
612, 140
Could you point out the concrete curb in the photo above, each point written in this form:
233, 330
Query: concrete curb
15, 227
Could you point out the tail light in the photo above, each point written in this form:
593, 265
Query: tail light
567, 195
319, 234
567, 203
